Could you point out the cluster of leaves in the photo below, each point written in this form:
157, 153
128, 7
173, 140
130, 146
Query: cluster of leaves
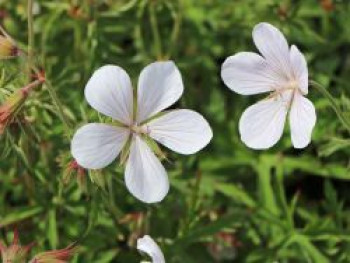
225, 203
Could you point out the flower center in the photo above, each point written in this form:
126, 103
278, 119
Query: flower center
292, 85
139, 129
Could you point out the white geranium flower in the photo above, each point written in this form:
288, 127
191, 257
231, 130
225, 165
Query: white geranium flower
146, 244
283, 72
109, 91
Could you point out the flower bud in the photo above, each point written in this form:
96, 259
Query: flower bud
73, 168
55, 256
224, 246
13, 104
10, 107
8, 48
15, 252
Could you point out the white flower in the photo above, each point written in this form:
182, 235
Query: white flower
109, 91
146, 244
283, 72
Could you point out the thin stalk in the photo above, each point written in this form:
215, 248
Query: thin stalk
155, 30
138, 32
176, 29
58, 105
192, 206
56, 102
195, 195
281, 192
333, 103
30, 35
265, 191
31, 66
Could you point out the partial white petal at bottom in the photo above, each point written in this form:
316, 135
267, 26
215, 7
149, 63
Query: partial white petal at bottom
145, 176
147, 245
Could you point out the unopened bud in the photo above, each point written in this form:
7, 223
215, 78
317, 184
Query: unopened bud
327, 5
55, 256
13, 104
73, 168
15, 252
8, 48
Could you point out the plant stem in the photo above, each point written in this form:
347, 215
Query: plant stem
30, 35
281, 191
266, 193
176, 29
58, 105
32, 66
333, 103
155, 30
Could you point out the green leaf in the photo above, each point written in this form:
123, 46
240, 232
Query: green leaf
20, 214
52, 228
236, 193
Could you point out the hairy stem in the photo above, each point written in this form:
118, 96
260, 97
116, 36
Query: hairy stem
333, 103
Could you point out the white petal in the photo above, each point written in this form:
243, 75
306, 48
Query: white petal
274, 47
302, 120
145, 176
147, 245
261, 125
299, 66
183, 131
109, 91
160, 85
96, 145
248, 73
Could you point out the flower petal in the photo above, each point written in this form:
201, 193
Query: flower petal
248, 73
261, 125
160, 85
147, 245
96, 145
145, 176
302, 119
299, 66
183, 131
274, 47
109, 91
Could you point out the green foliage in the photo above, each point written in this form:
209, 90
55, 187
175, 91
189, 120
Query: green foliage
281, 205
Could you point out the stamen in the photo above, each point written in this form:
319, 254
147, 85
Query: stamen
139, 129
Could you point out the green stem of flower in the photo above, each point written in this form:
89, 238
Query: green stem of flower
333, 103
155, 30
281, 192
266, 192
176, 29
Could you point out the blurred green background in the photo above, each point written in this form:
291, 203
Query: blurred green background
227, 203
